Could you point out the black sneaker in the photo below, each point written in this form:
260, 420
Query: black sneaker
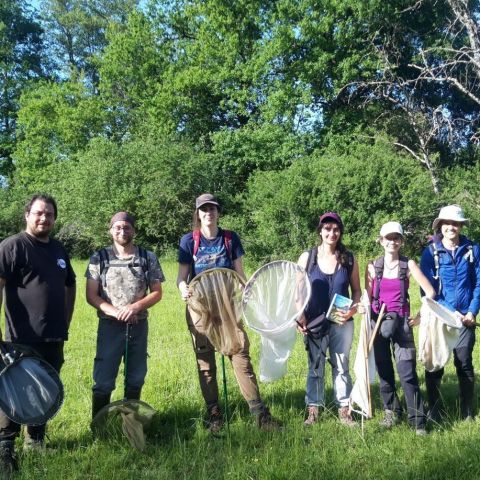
8, 463
215, 419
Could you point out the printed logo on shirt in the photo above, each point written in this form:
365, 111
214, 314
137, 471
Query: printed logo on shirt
211, 257
61, 263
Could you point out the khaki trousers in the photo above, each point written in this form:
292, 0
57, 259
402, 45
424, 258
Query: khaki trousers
207, 369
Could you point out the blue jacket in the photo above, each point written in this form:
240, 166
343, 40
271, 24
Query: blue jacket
458, 286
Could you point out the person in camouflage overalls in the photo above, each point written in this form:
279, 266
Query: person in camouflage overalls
123, 281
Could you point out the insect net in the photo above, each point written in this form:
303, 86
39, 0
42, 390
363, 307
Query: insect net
437, 335
31, 391
360, 397
273, 300
130, 418
216, 299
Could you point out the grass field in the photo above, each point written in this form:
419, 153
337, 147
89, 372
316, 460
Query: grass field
180, 448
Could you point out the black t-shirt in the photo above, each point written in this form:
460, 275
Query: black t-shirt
36, 274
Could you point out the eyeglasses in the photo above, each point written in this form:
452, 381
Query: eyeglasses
119, 229
41, 213
393, 238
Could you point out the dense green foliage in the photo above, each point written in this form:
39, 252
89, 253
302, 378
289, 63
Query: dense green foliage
284, 109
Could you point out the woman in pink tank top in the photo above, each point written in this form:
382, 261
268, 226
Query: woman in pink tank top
387, 282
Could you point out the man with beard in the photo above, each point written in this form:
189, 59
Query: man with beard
123, 281
39, 285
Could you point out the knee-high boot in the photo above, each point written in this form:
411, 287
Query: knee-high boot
467, 387
433, 394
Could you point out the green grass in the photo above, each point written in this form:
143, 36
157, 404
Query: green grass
180, 448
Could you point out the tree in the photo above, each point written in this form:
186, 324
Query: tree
21, 51
427, 78
55, 122
76, 29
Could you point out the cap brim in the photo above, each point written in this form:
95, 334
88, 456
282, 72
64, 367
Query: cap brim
211, 202
437, 221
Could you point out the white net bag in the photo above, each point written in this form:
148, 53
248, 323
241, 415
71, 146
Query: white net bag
273, 300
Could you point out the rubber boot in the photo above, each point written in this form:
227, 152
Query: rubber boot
132, 393
99, 400
433, 394
8, 462
467, 386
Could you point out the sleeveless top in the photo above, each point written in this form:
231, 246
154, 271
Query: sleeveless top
324, 286
390, 295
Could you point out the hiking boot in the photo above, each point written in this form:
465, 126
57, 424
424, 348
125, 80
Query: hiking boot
34, 445
390, 419
420, 431
8, 463
312, 416
266, 422
345, 417
215, 419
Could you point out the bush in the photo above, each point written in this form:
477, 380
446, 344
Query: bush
367, 183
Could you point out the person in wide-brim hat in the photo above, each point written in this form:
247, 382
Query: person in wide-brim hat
451, 262
453, 213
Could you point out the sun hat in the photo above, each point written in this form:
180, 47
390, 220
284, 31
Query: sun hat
330, 216
391, 227
123, 217
450, 212
206, 198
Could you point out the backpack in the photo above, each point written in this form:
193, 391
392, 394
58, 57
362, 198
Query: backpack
378, 265
227, 240
105, 264
436, 259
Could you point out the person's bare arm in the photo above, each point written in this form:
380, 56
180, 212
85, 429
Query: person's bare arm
95, 300
182, 277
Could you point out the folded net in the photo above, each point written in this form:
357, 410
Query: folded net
364, 367
273, 299
130, 418
216, 298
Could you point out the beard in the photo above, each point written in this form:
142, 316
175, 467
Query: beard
124, 241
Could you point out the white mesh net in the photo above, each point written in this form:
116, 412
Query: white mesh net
273, 299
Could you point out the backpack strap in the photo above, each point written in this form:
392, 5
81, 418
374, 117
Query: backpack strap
227, 240
312, 259
104, 266
403, 277
142, 253
350, 263
196, 243
436, 260
378, 265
